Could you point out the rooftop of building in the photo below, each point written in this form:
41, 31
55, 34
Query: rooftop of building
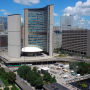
38, 8
13, 14
54, 86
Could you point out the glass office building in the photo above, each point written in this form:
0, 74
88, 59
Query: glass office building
3, 23
39, 27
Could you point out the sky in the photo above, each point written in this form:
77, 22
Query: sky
80, 9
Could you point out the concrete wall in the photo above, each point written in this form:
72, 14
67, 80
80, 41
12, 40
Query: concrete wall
88, 43
51, 12
26, 27
14, 36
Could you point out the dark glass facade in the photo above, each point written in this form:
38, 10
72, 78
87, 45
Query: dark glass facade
38, 25
37, 28
3, 23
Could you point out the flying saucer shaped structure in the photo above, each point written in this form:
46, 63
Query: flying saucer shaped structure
31, 49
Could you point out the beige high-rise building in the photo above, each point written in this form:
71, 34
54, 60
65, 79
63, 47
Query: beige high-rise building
14, 36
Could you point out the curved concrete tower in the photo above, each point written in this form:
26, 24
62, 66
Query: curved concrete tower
14, 36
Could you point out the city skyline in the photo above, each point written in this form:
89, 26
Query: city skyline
78, 8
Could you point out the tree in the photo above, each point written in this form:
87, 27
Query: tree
23, 70
53, 80
38, 83
47, 77
6, 88
34, 77
14, 88
34, 69
82, 68
2, 70
11, 77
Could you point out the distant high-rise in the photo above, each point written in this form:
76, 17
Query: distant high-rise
3, 40
39, 28
57, 37
3, 23
66, 22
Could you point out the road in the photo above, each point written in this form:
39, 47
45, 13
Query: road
24, 85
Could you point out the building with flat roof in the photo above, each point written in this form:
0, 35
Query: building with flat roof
76, 41
66, 22
54, 86
14, 36
38, 26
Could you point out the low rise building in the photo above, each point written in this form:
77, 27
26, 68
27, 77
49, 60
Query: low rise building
54, 86
76, 41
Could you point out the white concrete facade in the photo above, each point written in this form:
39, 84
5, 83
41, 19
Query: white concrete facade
50, 28
14, 36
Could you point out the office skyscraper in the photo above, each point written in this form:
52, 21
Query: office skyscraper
38, 26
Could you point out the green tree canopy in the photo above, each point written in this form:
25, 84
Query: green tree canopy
48, 78
6, 88
23, 70
11, 77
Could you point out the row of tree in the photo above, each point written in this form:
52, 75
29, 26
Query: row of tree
34, 77
80, 67
7, 77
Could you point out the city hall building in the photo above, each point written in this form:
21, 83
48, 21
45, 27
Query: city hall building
36, 34
38, 27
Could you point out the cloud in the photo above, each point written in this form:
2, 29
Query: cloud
5, 12
76, 17
81, 21
79, 11
89, 22
2, 10
55, 14
80, 8
27, 2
